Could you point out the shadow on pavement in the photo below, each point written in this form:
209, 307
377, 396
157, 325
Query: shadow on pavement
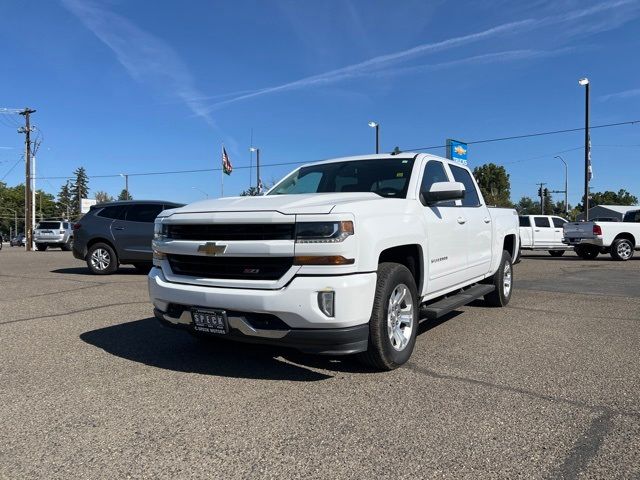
146, 341
86, 271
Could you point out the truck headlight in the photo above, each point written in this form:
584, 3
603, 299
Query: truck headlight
159, 231
323, 232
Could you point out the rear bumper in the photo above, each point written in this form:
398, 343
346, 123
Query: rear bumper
50, 240
583, 241
323, 341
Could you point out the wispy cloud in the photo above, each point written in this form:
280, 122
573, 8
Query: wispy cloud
635, 92
146, 58
382, 61
622, 11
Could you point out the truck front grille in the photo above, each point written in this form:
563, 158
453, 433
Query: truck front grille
240, 268
232, 231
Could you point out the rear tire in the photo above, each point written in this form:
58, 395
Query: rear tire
622, 249
41, 247
101, 259
556, 253
587, 252
393, 325
67, 246
502, 280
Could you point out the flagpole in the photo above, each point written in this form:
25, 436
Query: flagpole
222, 174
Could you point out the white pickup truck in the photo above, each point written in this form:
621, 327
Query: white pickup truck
340, 257
619, 239
543, 232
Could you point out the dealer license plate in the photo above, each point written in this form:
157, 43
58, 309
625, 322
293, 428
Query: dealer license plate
210, 321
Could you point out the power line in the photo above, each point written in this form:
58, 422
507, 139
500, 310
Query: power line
528, 135
499, 139
11, 169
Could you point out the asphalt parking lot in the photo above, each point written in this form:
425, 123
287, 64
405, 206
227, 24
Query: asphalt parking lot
92, 386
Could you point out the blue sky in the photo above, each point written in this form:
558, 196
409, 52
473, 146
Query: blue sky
137, 86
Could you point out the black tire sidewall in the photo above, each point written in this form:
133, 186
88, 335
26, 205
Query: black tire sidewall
390, 276
113, 266
614, 249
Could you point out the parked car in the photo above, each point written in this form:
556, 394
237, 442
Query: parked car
337, 258
542, 232
619, 239
53, 233
116, 233
18, 241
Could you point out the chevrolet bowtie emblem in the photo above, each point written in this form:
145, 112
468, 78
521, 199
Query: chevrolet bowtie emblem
212, 248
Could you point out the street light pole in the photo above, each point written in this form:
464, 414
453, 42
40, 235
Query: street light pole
126, 183
585, 83
258, 184
566, 185
377, 127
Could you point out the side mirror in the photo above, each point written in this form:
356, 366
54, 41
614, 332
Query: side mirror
442, 192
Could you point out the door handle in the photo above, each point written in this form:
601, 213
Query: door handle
557, 230
487, 220
536, 230
118, 228
462, 220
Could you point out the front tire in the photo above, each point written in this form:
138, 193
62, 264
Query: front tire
393, 325
502, 280
41, 247
556, 253
101, 259
622, 249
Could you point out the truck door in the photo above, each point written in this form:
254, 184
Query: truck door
542, 232
479, 228
558, 223
446, 256
526, 240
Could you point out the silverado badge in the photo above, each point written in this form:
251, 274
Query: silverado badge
212, 248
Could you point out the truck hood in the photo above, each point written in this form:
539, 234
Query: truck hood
305, 204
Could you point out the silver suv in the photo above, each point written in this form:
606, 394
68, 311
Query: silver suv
53, 233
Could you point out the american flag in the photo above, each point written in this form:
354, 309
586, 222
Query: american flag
226, 163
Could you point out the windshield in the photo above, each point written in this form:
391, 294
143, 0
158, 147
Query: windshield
48, 226
386, 177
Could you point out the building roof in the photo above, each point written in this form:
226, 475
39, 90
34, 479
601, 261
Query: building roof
619, 208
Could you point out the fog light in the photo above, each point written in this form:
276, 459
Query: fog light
158, 257
326, 302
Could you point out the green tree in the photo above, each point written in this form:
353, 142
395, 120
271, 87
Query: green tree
527, 206
11, 206
622, 197
494, 184
249, 192
103, 197
79, 189
125, 195
65, 206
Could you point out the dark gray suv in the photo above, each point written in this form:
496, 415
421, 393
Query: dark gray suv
117, 233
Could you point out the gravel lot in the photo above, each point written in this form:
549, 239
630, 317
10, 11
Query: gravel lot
92, 386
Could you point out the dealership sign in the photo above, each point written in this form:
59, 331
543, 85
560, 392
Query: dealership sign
457, 151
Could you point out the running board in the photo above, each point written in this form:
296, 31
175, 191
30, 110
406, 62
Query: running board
440, 308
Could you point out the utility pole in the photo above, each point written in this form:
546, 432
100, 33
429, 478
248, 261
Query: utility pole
541, 195
28, 210
587, 148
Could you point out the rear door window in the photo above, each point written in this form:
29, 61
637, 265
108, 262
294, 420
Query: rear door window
542, 222
471, 198
114, 211
144, 212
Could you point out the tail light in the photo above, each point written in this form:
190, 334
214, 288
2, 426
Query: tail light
76, 226
61, 231
597, 230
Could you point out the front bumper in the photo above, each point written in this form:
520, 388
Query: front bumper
320, 341
305, 327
